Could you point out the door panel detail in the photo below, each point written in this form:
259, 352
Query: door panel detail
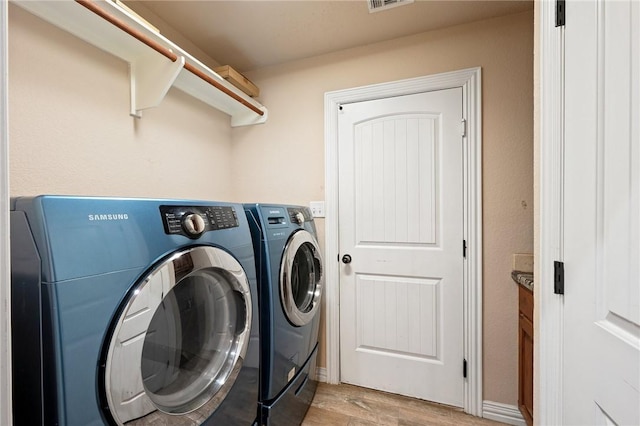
601, 306
396, 179
399, 315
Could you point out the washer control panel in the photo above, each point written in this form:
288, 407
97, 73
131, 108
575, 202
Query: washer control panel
193, 221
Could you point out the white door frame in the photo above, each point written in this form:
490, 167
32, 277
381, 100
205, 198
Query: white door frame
5, 277
548, 316
470, 81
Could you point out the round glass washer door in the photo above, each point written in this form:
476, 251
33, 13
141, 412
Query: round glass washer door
179, 343
301, 278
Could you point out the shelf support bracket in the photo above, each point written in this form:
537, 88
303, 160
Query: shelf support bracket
151, 78
249, 119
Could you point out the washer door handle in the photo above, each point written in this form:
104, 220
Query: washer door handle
346, 259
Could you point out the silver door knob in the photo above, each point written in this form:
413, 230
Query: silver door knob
346, 259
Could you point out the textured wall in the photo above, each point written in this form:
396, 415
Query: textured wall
503, 47
70, 132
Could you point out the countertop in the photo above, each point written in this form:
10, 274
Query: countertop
525, 279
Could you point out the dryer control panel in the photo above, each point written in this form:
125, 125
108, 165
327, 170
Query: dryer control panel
193, 221
300, 215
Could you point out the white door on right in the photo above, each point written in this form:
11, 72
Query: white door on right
401, 224
601, 362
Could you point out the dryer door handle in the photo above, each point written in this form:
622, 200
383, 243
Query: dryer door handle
346, 259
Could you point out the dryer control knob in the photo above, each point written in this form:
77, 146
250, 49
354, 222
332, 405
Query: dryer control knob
298, 218
193, 224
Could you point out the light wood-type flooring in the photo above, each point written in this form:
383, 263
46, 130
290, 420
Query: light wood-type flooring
349, 405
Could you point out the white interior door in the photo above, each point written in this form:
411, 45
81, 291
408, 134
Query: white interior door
601, 366
401, 223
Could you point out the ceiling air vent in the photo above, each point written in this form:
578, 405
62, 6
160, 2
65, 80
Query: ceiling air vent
378, 5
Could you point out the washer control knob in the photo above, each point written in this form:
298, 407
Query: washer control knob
193, 224
298, 218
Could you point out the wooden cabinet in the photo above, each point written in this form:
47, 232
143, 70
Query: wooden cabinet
525, 354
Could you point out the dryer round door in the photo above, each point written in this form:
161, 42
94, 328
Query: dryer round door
301, 278
180, 340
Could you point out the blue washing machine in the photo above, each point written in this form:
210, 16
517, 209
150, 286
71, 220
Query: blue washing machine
133, 311
290, 281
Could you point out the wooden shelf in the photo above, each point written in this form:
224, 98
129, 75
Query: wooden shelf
151, 73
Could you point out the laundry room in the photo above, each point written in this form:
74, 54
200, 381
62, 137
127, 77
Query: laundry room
72, 132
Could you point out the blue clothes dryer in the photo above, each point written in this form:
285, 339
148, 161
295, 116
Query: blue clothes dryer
290, 281
133, 311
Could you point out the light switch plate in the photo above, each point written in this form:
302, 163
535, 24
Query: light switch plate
317, 208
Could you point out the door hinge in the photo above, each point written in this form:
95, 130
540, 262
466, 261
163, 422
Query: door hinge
464, 368
560, 13
463, 127
558, 277
464, 248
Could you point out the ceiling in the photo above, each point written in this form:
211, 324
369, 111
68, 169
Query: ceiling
251, 34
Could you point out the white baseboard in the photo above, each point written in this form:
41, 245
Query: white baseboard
321, 374
504, 413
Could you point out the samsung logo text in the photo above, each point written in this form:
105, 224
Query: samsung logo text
113, 216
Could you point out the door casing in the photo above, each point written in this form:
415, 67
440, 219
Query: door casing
548, 309
550, 316
470, 82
